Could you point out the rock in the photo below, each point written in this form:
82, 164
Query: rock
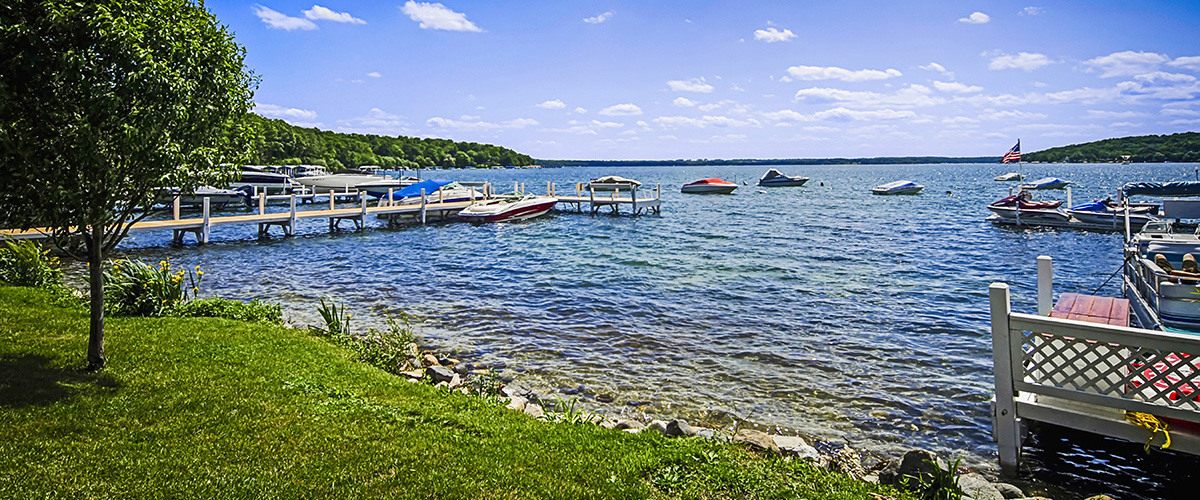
795, 446
430, 360
609, 423
451, 361
679, 428
706, 433
848, 462
659, 426
411, 349
633, 431
515, 388
462, 368
605, 398
756, 440
517, 403
442, 385
626, 424
440, 373
414, 374
976, 486
1009, 491
915, 465
455, 381
534, 411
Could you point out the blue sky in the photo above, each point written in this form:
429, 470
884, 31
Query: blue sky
715, 79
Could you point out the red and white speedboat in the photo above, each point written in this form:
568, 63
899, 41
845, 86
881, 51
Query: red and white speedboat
709, 186
508, 208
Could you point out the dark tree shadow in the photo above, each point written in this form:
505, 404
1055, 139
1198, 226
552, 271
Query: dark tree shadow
31, 380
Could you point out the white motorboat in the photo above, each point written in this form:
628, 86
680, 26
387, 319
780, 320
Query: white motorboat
342, 181
612, 183
709, 186
1011, 176
217, 197
436, 191
1106, 213
259, 180
1158, 281
898, 187
509, 208
379, 188
1046, 183
775, 178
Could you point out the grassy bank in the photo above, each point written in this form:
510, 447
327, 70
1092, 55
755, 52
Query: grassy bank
210, 408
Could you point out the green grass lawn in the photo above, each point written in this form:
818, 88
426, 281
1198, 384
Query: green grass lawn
210, 408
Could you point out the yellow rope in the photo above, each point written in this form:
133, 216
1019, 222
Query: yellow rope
1151, 423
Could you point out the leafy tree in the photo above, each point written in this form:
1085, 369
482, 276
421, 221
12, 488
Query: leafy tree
103, 102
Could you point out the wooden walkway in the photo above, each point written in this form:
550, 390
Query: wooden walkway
202, 226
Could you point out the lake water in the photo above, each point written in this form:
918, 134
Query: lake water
823, 310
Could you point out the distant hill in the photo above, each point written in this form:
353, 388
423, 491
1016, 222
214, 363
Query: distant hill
784, 161
1182, 147
280, 143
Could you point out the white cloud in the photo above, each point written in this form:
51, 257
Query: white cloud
374, 74
607, 124
377, 121
599, 19
1127, 63
933, 67
911, 96
1178, 112
844, 114
1032, 11
289, 114
956, 87
1160, 76
1094, 113
835, 73
476, 124
693, 85
621, 110
785, 115
280, 21
319, 13
975, 18
684, 102
555, 104
772, 35
1191, 63
438, 17
705, 121
580, 110
1023, 60
1010, 114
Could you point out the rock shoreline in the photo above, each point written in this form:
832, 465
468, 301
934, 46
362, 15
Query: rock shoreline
915, 468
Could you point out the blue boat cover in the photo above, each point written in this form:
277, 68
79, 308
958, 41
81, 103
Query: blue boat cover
1178, 188
430, 186
1091, 206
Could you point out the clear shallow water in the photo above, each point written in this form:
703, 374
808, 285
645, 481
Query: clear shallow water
824, 309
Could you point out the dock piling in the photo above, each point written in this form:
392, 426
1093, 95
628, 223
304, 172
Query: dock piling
175, 203
204, 230
1045, 284
422, 206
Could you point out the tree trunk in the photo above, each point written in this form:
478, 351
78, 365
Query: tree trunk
96, 277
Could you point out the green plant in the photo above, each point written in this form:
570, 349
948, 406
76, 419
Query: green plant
253, 311
566, 411
134, 288
940, 484
23, 263
337, 321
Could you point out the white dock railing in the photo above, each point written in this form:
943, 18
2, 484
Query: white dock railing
1085, 376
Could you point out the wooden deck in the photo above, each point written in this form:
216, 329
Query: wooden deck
1103, 310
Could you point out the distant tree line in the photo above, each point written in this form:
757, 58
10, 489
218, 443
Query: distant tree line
887, 160
276, 142
1182, 147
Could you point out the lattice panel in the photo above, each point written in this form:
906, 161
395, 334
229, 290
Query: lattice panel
1124, 371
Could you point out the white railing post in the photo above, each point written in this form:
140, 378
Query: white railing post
175, 203
422, 206
363, 196
1069, 204
331, 199
1005, 428
291, 229
262, 202
1045, 284
205, 229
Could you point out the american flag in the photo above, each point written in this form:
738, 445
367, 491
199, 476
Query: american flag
1013, 154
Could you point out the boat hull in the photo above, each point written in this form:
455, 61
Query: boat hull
493, 211
1030, 213
708, 189
783, 182
1136, 221
910, 190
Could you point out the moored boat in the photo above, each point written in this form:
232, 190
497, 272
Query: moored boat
342, 181
709, 186
612, 183
1160, 271
1021, 205
775, 178
898, 187
436, 191
1046, 183
508, 208
1107, 213
217, 197
257, 179
379, 188
1011, 176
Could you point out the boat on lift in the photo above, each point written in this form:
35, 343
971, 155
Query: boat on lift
509, 208
217, 197
1021, 206
260, 180
379, 188
1108, 213
612, 183
709, 186
436, 191
1046, 183
898, 187
341, 181
775, 178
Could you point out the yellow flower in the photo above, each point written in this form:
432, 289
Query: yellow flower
199, 273
195, 289
162, 263
197, 267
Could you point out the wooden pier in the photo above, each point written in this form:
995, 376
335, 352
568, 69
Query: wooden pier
386, 210
1079, 366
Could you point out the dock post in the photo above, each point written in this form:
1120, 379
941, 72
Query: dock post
331, 199
262, 202
176, 207
390, 199
291, 227
633, 193
591, 199
549, 191
422, 206
362, 218
204, 229
516, 186
1069, 204
1005, 428
1045, 284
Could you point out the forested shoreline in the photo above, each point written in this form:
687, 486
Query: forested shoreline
1181, 147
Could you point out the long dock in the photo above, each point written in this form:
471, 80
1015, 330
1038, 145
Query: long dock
391, 212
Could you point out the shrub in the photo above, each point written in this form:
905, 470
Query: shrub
23, 263
134, 288
393, 350
253, 311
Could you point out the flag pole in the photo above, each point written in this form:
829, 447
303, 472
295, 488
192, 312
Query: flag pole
1020, 166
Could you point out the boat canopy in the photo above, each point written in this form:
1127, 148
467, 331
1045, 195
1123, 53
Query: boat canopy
897, 184
772, 174
1177, 188
430, 186
1091, 206
616, 179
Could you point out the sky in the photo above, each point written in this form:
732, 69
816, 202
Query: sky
623, 80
